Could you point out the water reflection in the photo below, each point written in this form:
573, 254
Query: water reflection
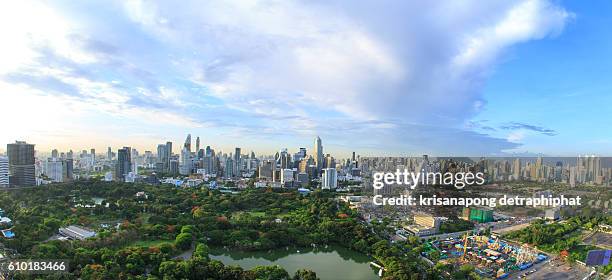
332, 262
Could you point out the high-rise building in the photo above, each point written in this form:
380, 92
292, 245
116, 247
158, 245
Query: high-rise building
22, 170
266, 169
93, 156
169, 156
197, 144
187, 162
229, 168
124, 164
68, 169
173, 165
161, 158
329, 179
54, 153
188, 143
283, 159
318, 153
329, 162
237, 162
516, 168
299, 155
109, 154
286, 176
54, 169
4, 172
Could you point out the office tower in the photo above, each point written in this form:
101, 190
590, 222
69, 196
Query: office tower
161, 161
318, 153
200, 154
93, 156
208, 164
283, 159
188, 143
286, 176
237, 162
169, 156
70, 154
197, 144
124, 164
299, 155
173, 165
59, 170
4, 172
54, 153
329, 162
68, 169
305, 164
329, 179
597, 169
54, 169
109, 154
229, 168
539, 164
187, 162
266, 169
516, 169
22, 170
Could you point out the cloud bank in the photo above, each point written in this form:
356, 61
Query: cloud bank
409, 72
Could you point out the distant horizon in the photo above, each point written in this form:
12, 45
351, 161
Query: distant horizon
177, 146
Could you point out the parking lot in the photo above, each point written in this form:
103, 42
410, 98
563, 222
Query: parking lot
555, 270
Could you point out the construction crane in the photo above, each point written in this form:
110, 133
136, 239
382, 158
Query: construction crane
465, 243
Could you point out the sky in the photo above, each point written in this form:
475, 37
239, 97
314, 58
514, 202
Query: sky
376, 77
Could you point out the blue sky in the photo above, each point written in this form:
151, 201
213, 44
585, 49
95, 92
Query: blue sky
379, 78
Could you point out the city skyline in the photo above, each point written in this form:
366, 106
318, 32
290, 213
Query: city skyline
500, 78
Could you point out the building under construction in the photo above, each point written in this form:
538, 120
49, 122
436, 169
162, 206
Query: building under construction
491, 256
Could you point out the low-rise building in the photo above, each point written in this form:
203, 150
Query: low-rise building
552, 214
76, 233
424, 224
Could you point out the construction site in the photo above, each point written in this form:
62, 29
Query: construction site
491, 256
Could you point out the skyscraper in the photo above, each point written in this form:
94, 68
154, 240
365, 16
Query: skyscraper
188, 142
237, 162
318, 153
162, 155
169, 157
197, 144
4, 172
93, 156
516, 169
22, 171
187, 162
54, 169
329, 179
109, 154
54, 153
124, 163
229, 168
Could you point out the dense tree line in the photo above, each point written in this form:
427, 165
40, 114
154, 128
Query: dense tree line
139, 236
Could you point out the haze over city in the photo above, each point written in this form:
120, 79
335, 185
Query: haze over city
462, 78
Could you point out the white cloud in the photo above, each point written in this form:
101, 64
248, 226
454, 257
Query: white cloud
372, 66
278, 66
